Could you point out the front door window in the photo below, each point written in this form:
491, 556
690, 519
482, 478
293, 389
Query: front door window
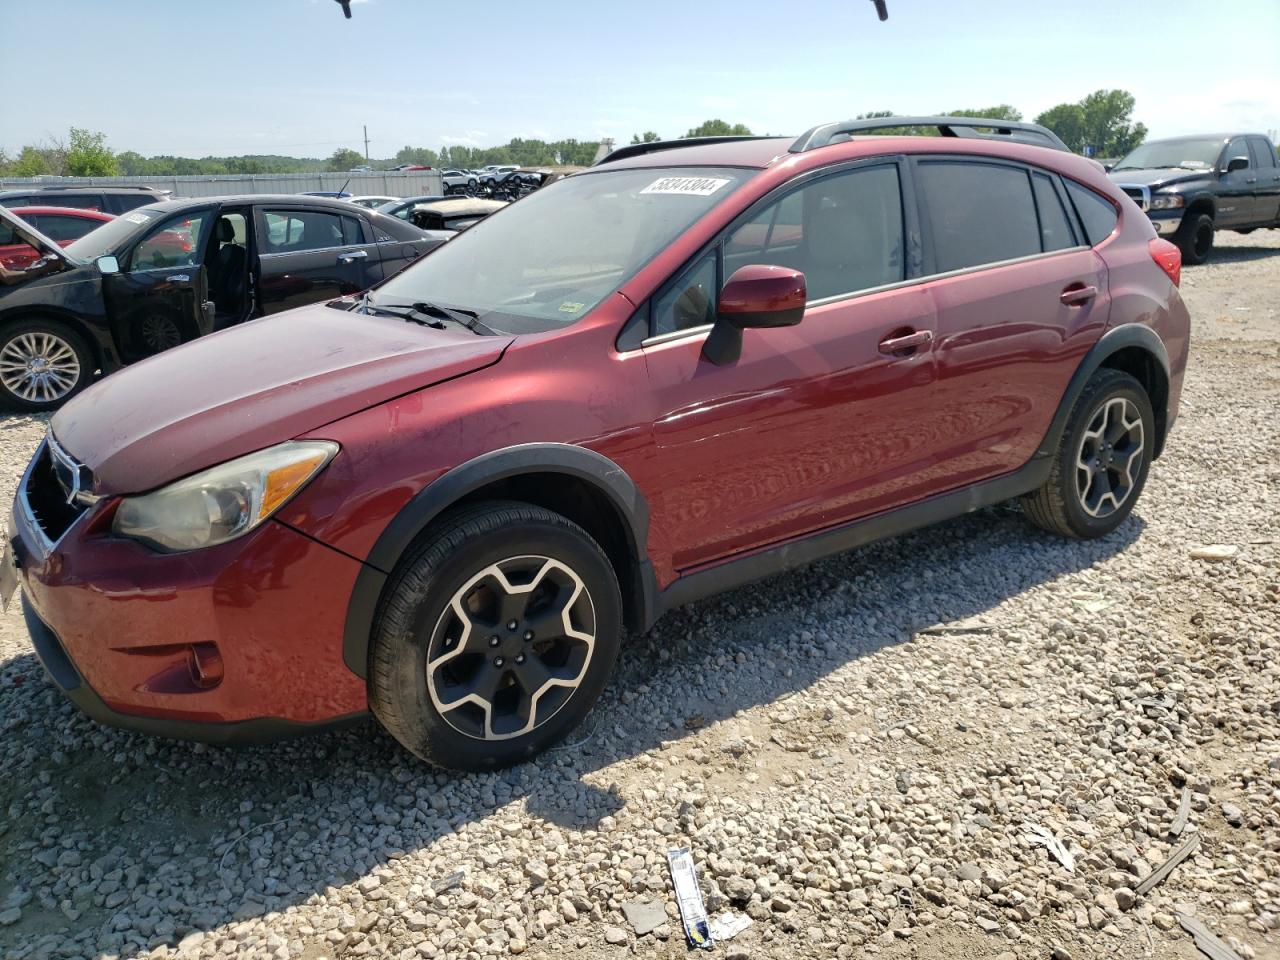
176, 242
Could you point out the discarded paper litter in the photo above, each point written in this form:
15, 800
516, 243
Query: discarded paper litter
689, 898
1214, 551
728, 925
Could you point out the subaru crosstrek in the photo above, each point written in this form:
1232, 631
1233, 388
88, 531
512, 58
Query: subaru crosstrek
683, 369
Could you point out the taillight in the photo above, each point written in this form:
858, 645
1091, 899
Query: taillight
1168, 258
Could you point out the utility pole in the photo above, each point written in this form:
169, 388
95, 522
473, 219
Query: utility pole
366, 143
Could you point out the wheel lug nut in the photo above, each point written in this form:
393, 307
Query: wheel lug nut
498, 661
528, 634
511, 625
493, 641
519, 658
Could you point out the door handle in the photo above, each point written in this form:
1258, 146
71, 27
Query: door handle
178, 278
1078, 294
909, 341
1250, 179
351, 255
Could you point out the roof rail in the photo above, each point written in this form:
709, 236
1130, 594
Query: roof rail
104, 186
970, 128
640, 149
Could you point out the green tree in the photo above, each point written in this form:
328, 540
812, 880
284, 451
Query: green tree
344, 158
33, 162
421, 155
89, 156
1067, 121
1102, 119
718, 128
1001, 111
647, 137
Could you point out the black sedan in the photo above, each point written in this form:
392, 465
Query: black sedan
170, 272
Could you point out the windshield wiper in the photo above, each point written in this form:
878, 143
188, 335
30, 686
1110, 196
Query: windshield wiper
422, 308
405, 312
468, 318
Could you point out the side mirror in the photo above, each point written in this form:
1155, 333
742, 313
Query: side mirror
107, 265
1237, 163
757, 295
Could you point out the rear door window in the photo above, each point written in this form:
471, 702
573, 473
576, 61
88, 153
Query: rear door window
1096, 213
296, 231
978, 213
1263, 156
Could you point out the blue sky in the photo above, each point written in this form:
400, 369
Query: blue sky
198, 77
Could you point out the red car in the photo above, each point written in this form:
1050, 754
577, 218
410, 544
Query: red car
63, 225
687, 368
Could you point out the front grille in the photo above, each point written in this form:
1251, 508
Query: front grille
1140, 195
49, 491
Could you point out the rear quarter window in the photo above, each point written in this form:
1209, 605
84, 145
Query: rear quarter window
1097, 214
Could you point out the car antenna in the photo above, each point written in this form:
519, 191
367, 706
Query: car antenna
344, 188
882, 11
346, 8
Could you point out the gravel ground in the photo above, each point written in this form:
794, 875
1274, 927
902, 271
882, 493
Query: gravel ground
849, 774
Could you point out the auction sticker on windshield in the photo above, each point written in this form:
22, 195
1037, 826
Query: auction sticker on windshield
137, 217
686, 186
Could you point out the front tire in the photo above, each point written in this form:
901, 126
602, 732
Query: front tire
1195, 238
496, 637
43, 363
1102, 460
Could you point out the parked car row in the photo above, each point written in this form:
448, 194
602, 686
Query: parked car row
164, 274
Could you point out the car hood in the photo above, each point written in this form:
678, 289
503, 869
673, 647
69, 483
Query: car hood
1157, 178
253, 386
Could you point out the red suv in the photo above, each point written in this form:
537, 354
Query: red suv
684, 369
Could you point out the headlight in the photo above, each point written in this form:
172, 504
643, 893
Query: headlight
1166, 201
223, 502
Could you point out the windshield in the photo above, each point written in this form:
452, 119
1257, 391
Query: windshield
545, 261
108, 237
1193, 154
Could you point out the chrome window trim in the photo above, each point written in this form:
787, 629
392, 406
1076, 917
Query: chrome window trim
868, 291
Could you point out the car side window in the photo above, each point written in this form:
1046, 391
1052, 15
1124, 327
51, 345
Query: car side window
63, 228
1263, 156
352, 232
1055, 225
174, 242
1239, 147
1096, 213
978, 213
843, 232
296, 231
691, 301
80, 201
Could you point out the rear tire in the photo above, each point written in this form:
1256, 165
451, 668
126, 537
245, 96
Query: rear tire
1101, 464
1195, 238
43, 364
452, 679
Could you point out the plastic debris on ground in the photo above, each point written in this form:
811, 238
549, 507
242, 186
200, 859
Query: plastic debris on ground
728, 925
1045, 838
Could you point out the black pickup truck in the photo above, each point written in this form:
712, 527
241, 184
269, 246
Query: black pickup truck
1192, 186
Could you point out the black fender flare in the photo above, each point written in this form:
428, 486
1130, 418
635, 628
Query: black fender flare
1113, 341
434, 499
1202, 197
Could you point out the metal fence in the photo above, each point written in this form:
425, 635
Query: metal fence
415, 183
